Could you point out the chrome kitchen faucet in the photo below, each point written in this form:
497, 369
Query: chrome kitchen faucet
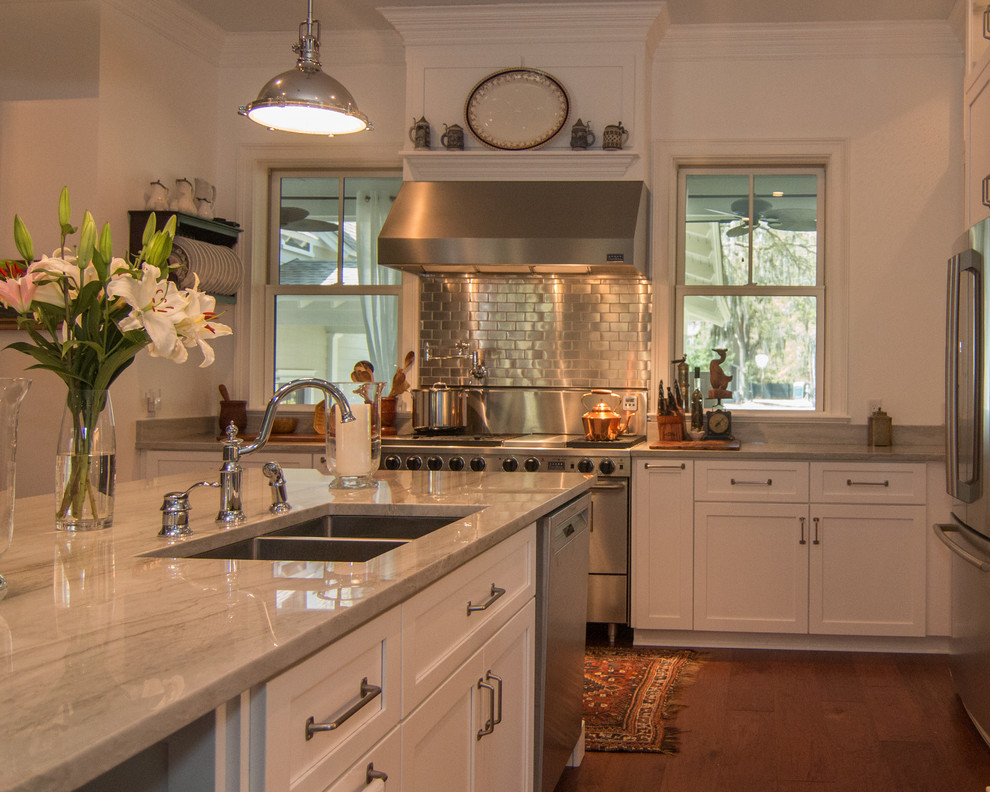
230, 470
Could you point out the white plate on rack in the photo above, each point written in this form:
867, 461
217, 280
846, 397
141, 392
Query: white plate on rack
517, 109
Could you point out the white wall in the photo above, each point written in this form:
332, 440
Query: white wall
893, 95
153, 116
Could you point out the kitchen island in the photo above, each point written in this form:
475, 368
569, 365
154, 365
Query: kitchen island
106, 650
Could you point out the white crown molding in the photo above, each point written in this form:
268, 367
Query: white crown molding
801, 40
518, 23
275, 49
176, 22
521, 165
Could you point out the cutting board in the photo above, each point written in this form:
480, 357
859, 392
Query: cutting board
696, 445
295, 437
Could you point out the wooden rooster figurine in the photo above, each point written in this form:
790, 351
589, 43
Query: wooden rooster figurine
719, 379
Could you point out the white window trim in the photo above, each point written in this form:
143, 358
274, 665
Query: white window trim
253, 325
669, 156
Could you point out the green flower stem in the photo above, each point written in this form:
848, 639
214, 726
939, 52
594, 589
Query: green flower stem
85, 408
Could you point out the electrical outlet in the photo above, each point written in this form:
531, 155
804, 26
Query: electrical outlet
630, 403
874, 405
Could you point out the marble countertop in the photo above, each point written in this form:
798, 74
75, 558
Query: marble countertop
105, 650
816, 452
758, 440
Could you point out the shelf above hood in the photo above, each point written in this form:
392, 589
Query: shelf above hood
518, 227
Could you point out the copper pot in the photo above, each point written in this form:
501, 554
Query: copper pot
602, 422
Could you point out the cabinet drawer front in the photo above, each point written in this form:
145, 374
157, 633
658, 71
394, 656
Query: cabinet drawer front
326, 687
782, 482
384, 758
868, 482
438, 631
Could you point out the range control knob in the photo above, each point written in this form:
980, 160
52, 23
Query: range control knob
456, 463
434, 463
478, 464
510, 464
532, 464
414, 463
392, 462
607, 466
586, 466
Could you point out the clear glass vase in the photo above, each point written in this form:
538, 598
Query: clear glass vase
12, 392
85, 462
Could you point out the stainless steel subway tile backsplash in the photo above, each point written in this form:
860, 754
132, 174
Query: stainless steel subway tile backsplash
539, 332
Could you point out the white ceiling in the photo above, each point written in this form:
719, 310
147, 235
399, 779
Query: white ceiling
243, 16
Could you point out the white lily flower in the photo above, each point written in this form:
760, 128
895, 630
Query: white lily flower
199, 324
156, 307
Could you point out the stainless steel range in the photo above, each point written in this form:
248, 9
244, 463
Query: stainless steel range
562, 449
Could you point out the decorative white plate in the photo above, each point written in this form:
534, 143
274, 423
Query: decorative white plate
517, 109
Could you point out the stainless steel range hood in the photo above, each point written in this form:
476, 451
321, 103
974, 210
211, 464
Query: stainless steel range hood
519, 227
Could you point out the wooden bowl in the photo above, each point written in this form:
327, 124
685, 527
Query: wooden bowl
284, 425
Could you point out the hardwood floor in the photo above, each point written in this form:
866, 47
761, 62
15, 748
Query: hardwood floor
782, 721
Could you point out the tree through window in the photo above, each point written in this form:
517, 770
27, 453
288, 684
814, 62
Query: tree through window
751, 281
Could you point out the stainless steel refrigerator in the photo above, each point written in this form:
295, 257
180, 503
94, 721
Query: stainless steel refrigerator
967, 424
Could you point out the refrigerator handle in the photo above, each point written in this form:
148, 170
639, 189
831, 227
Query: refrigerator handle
942, 531
968, 262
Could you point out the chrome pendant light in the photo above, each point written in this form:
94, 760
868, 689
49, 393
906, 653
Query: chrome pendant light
305, 99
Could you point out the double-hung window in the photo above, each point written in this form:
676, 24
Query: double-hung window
331, 304
751, 282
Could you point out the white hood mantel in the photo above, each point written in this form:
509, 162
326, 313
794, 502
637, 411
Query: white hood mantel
600, 53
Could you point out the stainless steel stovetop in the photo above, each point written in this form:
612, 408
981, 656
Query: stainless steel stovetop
510, 453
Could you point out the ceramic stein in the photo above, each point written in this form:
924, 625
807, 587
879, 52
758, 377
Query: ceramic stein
182, 197
156, 197
419, 133
614, 136
206, 195
581, 136
452, 138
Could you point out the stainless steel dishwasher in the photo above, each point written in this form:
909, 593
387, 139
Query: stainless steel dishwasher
561, 608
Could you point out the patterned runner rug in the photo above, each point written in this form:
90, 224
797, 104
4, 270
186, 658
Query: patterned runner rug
628, 697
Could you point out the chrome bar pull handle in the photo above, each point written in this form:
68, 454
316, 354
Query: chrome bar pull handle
496, 593
816, 521
490, 676
767, 483
851, 483
803, 540
653, 466
489, 726
368, 694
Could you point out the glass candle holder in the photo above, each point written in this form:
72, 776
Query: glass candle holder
354, 448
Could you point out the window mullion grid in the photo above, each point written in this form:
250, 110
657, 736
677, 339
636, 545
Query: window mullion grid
750, 291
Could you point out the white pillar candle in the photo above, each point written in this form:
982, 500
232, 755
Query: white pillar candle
353, 456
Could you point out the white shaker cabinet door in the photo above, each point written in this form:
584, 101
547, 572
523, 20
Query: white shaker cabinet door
475, 732
751, 567
867, 570
662, 545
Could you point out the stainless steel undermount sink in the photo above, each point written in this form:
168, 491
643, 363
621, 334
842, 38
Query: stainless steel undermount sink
295, 548
351, 538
